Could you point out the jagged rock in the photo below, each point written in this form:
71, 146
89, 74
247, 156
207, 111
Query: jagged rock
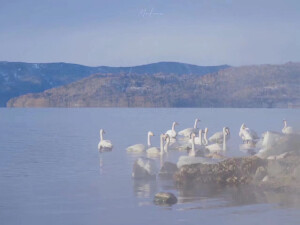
165, 198
144, 168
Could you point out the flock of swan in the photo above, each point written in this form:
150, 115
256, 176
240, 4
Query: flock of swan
200, 148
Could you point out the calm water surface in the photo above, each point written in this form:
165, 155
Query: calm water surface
51, 171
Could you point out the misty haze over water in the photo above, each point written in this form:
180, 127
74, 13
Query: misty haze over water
52, 173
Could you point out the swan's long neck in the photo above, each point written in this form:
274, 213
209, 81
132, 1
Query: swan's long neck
167, 145
200, 137
196, 123
285, 124
205, 138
149, 140
193, 152
224, 141
161, 144
101, 135
173, 126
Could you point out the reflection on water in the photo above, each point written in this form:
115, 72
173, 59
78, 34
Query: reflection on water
145, 188
205, 196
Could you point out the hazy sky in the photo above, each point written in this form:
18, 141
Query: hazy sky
132, 32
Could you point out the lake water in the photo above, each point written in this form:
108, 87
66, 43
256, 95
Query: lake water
52, 173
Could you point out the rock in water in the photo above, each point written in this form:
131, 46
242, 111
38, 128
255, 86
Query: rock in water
168, 169
165, 198
144, 168
229, 171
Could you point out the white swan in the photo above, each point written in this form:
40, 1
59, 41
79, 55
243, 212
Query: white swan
154, 151
200, 148
194, 157
168, 139
198, 140
187, 132
205, 141
141, 147
104, 145
178, 145
287, 129
216, 147
247, 134
172, 133
218, 136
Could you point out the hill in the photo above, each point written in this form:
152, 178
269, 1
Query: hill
246, 86
18, 78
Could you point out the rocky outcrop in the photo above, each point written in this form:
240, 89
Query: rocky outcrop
281, 174
246, 86
229, 171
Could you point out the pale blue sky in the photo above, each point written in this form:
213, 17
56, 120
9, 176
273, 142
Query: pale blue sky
124, 33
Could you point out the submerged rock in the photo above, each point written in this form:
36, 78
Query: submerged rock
144, 168
165, 198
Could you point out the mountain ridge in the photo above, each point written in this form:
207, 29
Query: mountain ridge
19, 78
259, 86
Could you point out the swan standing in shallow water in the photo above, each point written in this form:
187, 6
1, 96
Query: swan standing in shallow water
194, 157
198, 140
205, 141
200, 150
187, 132
287, 129
154, 151
216, 147
140, 147
172, 133
167, 139
247, 134
218, 136
104, 145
